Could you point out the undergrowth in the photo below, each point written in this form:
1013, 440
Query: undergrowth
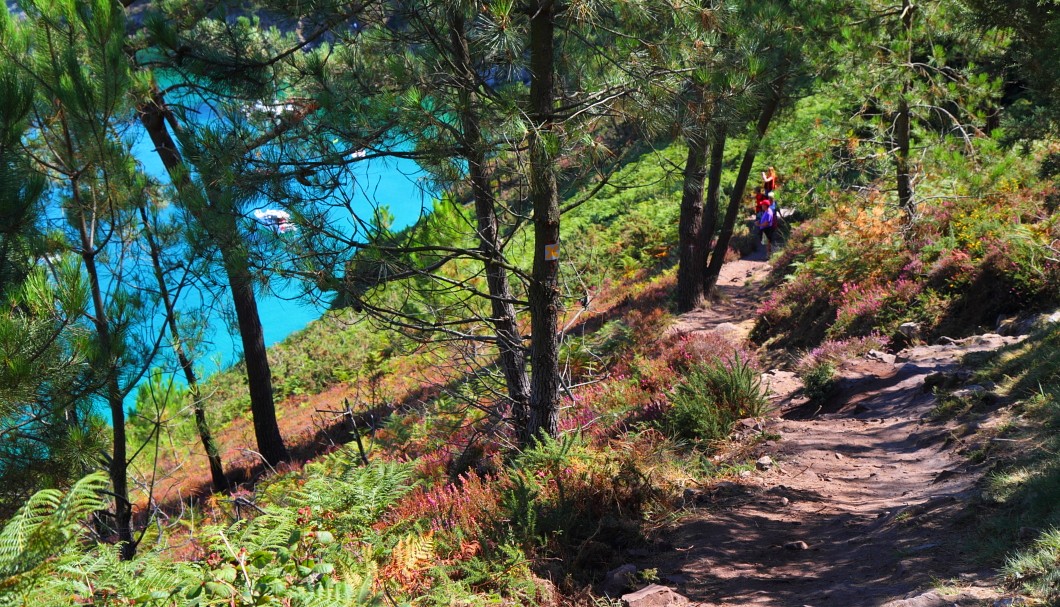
712, 397
1020, 507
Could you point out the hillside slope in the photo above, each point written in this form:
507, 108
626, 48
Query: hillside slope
856, 501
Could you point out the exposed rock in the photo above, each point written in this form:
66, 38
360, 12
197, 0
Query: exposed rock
654, 596
619, 579
751, 424
972, 391
764, 463
729, 488
940, 380
676, 579
1008, 326
882, 357
1012, 601
987, 339
911, 330
947, 341
929, 599
1041, 321
726, 328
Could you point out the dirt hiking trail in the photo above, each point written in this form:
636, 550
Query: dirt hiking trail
858, 502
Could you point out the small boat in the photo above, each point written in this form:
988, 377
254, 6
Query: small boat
279, 221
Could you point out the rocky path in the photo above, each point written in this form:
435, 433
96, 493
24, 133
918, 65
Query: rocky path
856, 503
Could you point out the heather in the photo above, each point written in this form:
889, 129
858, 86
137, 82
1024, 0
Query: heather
542, 378
966, 260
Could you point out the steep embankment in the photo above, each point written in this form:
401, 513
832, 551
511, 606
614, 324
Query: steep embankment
856, 502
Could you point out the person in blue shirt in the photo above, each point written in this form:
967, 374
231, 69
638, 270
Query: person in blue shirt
767, 224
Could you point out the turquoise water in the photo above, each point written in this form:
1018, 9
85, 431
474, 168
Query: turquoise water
394, 183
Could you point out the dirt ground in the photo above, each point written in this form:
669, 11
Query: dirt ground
856, 502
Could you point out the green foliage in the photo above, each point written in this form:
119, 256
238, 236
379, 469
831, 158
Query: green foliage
42, 529
1021, 493
53, 434
565, 492
353, 496
712, 397
281, 557
818, 381
1035, 570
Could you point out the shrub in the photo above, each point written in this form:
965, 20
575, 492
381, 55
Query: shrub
712, 397
818, 381
1050, 166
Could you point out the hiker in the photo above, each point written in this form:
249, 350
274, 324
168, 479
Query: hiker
760, 203
769, 180
767, 224
761, 200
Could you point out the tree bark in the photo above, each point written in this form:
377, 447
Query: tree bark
255, 355
217, 474
710, 210
901, 162
503, 317
769, 109
119, 465
221, 227
691, 256
543, 293
902, 133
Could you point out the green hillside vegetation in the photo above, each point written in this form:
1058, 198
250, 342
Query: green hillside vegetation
409, 483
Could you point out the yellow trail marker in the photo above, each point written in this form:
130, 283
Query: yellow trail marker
551, 252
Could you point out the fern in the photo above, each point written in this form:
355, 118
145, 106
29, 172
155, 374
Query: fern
270, 560
42, 529
358, 496
270, 532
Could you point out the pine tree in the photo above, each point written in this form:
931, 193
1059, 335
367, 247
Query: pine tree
48, 432
73, 52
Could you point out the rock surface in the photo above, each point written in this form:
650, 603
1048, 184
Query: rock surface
654, 596
619, 579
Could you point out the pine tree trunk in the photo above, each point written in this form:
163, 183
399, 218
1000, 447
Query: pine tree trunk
255, 355
691, 257
509, 343
119, 465
712, 203
544, 196
904, 181
717, 259
902, 127
217, 474
221, 227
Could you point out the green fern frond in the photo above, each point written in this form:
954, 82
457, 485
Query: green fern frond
269, 532
33, 541
46, 523
359, 495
